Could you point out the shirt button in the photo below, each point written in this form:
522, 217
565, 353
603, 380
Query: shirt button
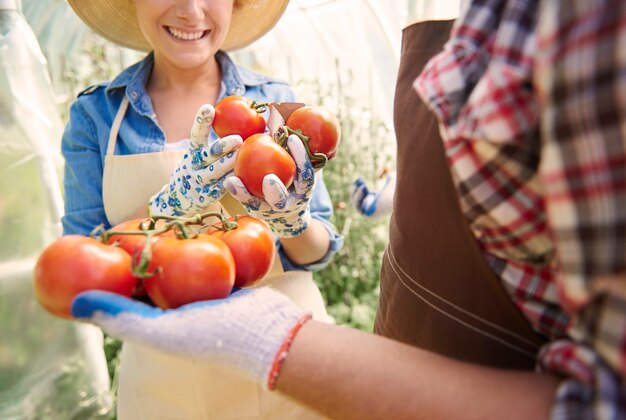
237, 90
133, 94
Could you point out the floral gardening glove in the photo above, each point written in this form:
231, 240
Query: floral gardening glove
198, 181
251, 330
286, 211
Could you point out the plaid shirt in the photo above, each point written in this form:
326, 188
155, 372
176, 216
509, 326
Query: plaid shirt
531, 97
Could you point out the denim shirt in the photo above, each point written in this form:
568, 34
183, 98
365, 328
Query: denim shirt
86, 137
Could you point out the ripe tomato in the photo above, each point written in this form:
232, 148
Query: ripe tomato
134, 244
320, 126
73, 264
253, 248
190, 270
260, 155
237, 115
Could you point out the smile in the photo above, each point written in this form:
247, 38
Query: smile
185, 35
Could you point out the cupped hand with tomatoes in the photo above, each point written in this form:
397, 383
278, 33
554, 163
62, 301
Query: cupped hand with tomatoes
286, 210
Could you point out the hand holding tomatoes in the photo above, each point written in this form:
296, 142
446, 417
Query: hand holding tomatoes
250, 330
197, 182
286, 211
175, 261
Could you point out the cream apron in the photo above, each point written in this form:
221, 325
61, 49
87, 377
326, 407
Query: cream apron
154, 385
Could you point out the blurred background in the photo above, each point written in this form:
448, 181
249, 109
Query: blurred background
341, 54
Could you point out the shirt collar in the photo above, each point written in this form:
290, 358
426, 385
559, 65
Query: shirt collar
235, 80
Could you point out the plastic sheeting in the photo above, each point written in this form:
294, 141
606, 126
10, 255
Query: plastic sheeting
49, 368
333, 48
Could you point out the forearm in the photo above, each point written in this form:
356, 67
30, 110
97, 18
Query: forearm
308, 247
364, 376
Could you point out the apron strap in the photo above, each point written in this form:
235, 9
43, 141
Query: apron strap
115, 127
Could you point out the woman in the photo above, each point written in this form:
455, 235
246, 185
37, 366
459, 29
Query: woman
124, 144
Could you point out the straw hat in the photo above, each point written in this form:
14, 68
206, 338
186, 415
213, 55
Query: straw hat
116, 20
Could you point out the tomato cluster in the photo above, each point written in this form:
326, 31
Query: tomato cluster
261, 154
174, 263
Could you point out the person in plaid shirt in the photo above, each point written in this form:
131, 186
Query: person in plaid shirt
531, 100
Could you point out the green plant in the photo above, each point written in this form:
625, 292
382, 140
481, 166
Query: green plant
350, 283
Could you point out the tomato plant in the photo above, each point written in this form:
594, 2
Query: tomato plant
135, 243
238, 115
189, 270
260, 155
321, 128
252, 246
74, 264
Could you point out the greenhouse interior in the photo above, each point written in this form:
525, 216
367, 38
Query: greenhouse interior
342, 54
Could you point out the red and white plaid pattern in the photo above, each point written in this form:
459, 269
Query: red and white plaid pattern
531, 97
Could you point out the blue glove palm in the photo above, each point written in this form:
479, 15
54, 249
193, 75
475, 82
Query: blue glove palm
245, 331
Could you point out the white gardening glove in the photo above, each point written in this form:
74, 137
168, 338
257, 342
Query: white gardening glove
250, 330
374, 204
286, 211
198, 181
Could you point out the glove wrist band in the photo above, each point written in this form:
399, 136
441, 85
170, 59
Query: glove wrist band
281, 355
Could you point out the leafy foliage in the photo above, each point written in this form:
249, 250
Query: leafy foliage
350, 282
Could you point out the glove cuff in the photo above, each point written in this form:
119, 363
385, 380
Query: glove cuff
282, 352
268, 339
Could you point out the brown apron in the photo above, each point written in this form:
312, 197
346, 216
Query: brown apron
437, 291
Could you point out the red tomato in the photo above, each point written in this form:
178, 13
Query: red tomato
190, 270
236, 115
134, 244
320, 126
73, 264
253, 248
260, 155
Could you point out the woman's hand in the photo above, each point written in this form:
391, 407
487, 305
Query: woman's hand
198, 181
286, 211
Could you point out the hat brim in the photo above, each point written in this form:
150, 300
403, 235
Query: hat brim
116, 21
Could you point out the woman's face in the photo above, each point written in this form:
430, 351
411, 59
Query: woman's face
187, 33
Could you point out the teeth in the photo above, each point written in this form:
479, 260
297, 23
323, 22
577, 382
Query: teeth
186, 36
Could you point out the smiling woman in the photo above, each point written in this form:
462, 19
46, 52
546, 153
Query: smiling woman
128, 150
185, 33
